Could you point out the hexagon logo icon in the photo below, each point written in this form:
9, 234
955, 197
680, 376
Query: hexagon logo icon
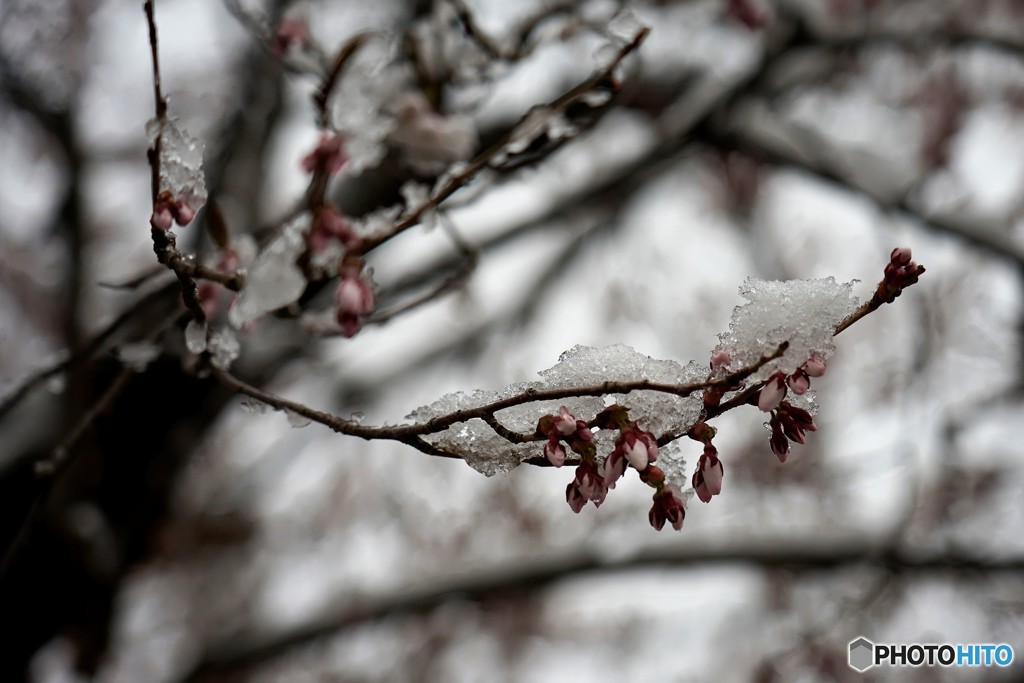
862, 654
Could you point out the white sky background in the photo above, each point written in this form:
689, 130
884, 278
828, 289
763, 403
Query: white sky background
339, 520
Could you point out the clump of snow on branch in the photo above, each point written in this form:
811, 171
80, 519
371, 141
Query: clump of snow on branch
371, 82
274, 280
181, 162
657, 412
802, 312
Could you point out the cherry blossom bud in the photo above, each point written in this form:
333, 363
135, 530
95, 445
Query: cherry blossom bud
901, 256
798, 383
614, 468
754, 14
778, 442
329, 224
329, 155
801, 418
639, 447
719, 358
353, 299
162, 217
183, 213
554, 452
668, 506
564, 423
815, 366
590, 482
772, 394
636, 454
288, 33
700, 487
712, 470
574, 497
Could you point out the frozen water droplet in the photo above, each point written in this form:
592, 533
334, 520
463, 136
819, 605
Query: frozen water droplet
181, 161
224, 348
625, 26
357, 417
296, 420
253, 407
195, 336
274, 280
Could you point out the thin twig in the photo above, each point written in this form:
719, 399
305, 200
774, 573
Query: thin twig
484, 159
61, 456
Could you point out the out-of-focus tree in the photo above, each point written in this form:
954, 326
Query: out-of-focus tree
228, 225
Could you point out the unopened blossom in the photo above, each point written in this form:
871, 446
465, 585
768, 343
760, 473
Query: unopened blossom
554, 452
167, 210
162, 217
707, 479
328, 224
798, 382
588, 484
353, 299
778, 441
564, 427
574, 497
814, 367
328, 156
290, 32
614, 467
772, 394
640, 448
564, 422
900, 273
668, 507
719, 358
795, 421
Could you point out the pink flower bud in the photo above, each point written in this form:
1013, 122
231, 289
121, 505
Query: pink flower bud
554, 452
772, 394
614, 468
700, 487
798, 383
590, 482
713, 472
815, 366
778, 442
719, 358
289, 32
901, 256
183, 213
162, 217
667, 507
636, 453
574, 497
329, 155
564, 423
353, 300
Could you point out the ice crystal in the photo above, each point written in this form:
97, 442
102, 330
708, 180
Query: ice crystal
297, 420
195, 336
273, 280
802, 312
253, 407
224, 348
181, 161
371, 81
